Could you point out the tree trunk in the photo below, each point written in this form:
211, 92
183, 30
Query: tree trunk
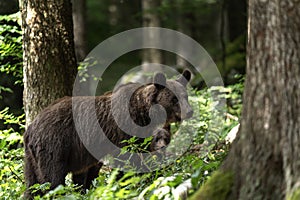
264, 159
151, 19
79, 21
183, 27
114, 12
49, 57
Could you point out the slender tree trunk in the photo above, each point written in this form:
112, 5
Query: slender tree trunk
184, 28
264, 158
222, 35
114, 12
49, 57
151, 19
79, 21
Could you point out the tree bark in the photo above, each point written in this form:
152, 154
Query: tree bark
264, 158
49, 56
79, 21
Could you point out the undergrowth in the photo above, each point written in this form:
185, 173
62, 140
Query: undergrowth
199, 159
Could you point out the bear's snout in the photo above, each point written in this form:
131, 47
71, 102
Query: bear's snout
161, 139
189, 114
187, 111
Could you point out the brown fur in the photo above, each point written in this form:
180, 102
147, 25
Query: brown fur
53, 147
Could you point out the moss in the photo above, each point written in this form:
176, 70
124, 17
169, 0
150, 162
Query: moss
295, 195
216, 188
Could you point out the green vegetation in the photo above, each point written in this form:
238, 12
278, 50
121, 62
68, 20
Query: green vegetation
159, 184
11, 157
295, 195
11, 46
201, 158
11, 70
216, 188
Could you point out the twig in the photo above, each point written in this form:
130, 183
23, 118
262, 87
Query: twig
222, 35
15, 174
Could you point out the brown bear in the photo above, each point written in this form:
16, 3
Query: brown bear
54, 147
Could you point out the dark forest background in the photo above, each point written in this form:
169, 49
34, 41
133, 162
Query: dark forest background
218, 25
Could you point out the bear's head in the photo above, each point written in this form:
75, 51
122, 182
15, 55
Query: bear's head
171, 95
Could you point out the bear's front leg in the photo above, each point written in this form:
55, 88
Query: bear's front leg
85, 178
30, 176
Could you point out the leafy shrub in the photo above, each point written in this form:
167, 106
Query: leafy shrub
11, 54
197, 163
11, 71
11, 157
207, 150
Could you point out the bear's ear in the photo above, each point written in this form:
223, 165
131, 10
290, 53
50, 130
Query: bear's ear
159, 80
185, 77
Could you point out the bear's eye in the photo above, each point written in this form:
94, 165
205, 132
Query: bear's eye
174, 100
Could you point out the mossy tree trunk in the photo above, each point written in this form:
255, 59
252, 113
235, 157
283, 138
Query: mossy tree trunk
265, 157
49, 56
